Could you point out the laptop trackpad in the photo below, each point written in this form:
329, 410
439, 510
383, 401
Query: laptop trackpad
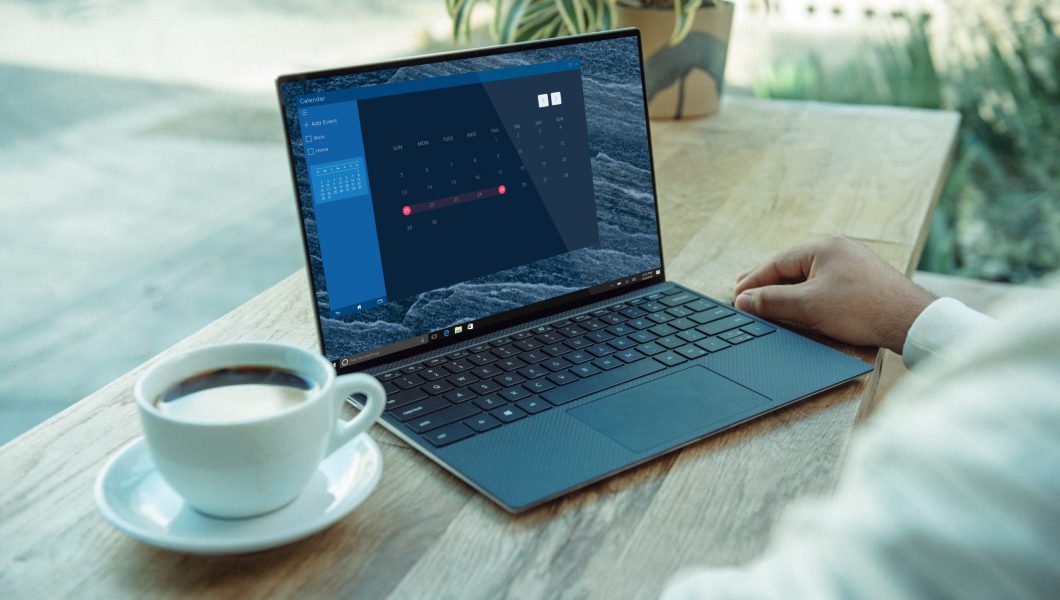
693, 401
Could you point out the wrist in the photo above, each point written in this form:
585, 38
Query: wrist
912, 304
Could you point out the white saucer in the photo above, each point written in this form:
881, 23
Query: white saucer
134, 498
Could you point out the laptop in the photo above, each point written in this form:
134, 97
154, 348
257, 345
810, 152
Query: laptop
482, 234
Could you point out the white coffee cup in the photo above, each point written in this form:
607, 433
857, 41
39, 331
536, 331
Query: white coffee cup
244, 468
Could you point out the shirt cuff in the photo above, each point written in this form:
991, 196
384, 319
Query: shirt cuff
943, 321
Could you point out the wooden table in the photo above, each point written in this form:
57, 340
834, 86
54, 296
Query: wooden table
758, 177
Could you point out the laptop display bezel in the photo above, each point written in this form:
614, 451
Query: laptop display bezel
525, 313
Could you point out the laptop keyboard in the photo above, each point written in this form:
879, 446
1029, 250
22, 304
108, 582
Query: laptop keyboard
451, 398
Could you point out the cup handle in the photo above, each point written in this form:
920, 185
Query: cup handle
345, 385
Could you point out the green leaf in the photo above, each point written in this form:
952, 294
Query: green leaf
510, 23
457, 11
551, 28
495, 22
572, 15
596, 12
556, 30
462, 19
537, 7
536, 12
684, 15
539, 16
607, 21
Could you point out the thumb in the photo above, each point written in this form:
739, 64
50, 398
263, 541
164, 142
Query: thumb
774, 302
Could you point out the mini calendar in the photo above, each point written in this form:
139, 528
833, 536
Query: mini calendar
338, 180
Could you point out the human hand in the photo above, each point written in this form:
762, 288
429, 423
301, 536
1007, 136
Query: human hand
836, 287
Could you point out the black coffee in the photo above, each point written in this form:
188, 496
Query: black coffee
242, 393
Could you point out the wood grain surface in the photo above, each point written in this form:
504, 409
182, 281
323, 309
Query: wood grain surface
734, 189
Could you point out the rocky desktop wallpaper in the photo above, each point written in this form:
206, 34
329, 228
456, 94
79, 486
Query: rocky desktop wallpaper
621, 178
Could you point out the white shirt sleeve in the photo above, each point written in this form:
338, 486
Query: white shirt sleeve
950, 489
934, 331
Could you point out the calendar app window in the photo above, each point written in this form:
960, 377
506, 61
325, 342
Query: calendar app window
473, 179
426, 183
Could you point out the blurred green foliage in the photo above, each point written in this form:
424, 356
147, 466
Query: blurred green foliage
999, 214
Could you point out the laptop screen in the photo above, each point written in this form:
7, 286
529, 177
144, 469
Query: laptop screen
447, 196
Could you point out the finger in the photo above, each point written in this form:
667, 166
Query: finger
776, 302
787, 267
742, 275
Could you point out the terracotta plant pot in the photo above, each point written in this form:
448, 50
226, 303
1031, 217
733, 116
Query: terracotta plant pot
685, 80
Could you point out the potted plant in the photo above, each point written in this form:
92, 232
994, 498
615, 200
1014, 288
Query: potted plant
685, 41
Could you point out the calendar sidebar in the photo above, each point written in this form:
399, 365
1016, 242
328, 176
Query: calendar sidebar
342, 201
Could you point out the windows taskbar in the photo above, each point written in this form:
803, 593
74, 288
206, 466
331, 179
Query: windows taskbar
476, 328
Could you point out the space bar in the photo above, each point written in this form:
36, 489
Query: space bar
601, 381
